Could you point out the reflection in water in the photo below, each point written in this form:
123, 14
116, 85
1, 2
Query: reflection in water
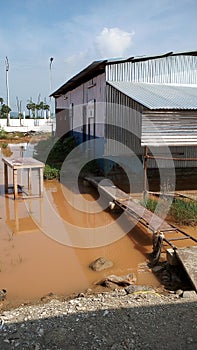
47, 244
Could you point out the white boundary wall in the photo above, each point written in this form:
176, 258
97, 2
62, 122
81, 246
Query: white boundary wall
42, 125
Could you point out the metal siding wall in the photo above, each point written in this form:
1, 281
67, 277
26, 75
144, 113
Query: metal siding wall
171, 69
92, 89
186, 152
123, 120
127, 114
174, 128
62, 122
62, 102
176, 152
169, 128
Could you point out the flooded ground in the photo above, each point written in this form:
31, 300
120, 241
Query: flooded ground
47, 244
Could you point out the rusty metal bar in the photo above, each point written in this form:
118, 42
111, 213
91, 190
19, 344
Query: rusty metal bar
184, 233
172, 158
145, 169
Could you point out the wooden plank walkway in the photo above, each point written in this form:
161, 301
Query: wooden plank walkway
187, 256
131, 207
144, 216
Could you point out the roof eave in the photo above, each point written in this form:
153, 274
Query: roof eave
89, 72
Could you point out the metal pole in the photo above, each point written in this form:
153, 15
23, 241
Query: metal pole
7, 89
145, 171
50, 71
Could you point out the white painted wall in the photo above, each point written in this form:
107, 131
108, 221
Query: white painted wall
44, 125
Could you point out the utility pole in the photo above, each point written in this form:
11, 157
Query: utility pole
19, 103
50, 72
7, 89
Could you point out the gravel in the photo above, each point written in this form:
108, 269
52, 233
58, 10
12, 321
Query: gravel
116, 320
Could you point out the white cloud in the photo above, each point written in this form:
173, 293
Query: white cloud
113, 42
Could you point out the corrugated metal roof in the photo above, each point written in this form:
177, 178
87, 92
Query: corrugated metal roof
159, 96
97, 67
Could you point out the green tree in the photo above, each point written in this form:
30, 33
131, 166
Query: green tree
5, 110
20, 116
33, 109
38, 108
1, 102
46, 107
31, 106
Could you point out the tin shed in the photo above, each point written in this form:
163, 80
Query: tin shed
138, 104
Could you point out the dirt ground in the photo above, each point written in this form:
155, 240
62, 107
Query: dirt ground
115, 320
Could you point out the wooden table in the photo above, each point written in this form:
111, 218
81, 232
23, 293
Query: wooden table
23, 163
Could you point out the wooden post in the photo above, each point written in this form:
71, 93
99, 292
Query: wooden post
15, 183
145, 171
6, 177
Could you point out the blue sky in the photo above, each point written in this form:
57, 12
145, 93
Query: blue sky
75, 33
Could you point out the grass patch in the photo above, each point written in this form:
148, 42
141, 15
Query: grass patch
149, 204
15, 135
184, 211
181, 211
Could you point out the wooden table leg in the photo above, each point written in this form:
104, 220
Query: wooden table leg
29, 181
15, 183
6, 177
41, 182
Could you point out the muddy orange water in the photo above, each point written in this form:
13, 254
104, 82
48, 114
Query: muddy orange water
46, 244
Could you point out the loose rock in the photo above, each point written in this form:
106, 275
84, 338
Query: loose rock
3, 293
119, 280
133, 288
101, 264
190, 294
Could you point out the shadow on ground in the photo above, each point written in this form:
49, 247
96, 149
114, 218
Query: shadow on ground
164, 326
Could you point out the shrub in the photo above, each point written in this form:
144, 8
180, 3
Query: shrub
4, 145
53, 152
3, 134
51, 173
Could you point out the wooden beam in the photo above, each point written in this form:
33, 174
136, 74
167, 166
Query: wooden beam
15, 183
6, 177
